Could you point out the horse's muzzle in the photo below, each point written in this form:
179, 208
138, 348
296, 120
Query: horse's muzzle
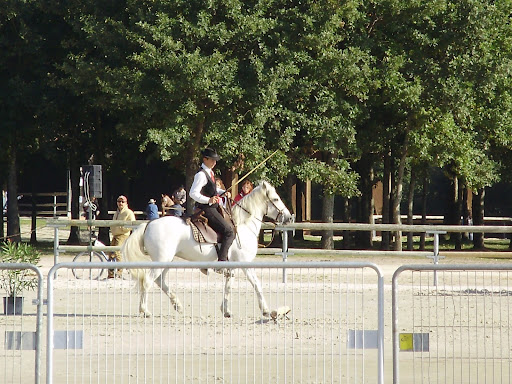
287, 218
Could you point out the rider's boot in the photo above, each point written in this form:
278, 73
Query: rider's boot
223, 271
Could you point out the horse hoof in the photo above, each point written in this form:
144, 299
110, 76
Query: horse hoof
225, 271
145, 314
225, 311
266, 313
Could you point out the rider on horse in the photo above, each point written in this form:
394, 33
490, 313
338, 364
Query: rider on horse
204, 191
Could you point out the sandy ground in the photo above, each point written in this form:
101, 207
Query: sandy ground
308, 345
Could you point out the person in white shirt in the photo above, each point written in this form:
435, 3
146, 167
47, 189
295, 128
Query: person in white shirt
206, 195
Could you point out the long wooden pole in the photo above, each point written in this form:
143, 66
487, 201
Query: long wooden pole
251, 171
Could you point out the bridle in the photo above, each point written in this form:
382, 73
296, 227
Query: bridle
280, 212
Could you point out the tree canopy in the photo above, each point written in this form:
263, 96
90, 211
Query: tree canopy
342, 90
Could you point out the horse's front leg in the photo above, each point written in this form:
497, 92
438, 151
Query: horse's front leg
253, 279
160, 281
225, 306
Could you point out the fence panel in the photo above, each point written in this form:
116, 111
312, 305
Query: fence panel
20, 332
325, 326
51, 204
455, 331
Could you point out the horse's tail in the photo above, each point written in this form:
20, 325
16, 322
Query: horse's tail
132, 250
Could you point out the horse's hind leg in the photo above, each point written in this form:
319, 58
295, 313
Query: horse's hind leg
225, 306
143, 304
160, 281
253, 279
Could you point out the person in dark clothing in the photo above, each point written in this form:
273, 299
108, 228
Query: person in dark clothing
206, 195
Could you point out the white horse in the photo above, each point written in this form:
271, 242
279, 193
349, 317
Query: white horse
170, 236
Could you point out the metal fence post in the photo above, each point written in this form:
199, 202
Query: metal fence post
435, 257
285, 252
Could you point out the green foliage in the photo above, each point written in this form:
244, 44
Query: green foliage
326, 82
336, 178
15, 281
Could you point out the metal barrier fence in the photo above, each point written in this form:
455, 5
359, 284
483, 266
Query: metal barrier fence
458, 331
326, 326
20, 330
285, 251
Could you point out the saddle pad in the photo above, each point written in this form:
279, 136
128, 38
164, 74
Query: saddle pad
203, 233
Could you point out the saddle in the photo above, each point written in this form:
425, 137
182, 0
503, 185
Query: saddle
201, 231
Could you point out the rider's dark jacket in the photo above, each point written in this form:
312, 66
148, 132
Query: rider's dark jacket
209, 189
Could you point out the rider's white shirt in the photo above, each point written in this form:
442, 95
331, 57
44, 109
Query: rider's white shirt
200, 180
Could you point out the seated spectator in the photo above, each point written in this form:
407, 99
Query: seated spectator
151, 211
224, 197
176, 209
180, 195
246, 188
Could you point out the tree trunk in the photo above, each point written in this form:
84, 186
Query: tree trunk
478, 218
103, 232
363, 239
2, 232
465, 211
346, 218
299, 233
423, 211
410, 210
386, 196
327, 217
451, 214
74, 171
13, 217
291, 201
458, 214
397, 196
191, 158
190, 171
33, 221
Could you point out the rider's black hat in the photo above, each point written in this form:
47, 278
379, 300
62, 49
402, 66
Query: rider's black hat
211, 153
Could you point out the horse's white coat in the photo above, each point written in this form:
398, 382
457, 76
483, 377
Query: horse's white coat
169, 236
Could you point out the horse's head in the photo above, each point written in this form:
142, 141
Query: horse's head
166, 201
276, 210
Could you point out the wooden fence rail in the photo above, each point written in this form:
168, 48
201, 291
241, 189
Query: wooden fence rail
53, 204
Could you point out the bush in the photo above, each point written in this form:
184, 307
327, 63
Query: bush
15, 281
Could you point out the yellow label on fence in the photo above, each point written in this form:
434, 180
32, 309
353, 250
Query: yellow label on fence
406, 342
417, 342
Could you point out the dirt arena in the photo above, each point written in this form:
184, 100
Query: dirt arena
206, 347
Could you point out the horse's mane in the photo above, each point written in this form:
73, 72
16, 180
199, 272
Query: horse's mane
250, 203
